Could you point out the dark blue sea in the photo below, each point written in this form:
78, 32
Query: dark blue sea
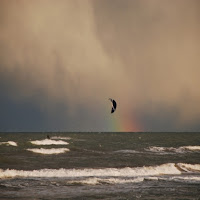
109, 166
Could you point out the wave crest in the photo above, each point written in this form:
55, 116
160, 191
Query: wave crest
9, 143
168, 168
49, 151
126, 151
167, 150
60, 138
49, 142
99, 181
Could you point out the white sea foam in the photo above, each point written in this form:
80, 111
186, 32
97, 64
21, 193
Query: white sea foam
189, 167
168, 168
9, 143
189, 179
49, 151
60, 138
49, 142
96, 181
151, 178
161, 150
128, 151
169, 150
194, 179
192, 148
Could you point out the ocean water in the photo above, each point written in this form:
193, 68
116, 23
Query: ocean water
100, 166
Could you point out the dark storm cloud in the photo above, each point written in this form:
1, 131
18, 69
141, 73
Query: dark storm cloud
160, 118
51, 45
157, 44
26, 115
49, 60
66, 58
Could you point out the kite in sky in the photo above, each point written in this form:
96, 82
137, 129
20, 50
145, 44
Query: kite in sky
114, 105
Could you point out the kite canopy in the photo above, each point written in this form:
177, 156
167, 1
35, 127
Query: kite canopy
114, 105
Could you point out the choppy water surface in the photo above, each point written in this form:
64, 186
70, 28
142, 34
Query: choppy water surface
100, 166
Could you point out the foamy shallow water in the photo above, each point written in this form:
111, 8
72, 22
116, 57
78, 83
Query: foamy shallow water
169, 179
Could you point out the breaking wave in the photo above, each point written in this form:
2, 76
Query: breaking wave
168, 150
194, 179
127, 151
49, 142
165, 169
192, 148
97, 181
9, 143
60, 138
49, 151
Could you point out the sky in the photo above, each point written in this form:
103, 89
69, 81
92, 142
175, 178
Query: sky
60, 62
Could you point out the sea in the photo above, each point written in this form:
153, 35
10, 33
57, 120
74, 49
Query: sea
109, 166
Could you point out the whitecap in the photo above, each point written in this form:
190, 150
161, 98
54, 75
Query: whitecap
126, 151
151, 178
96, 181
183, 179
9, 143
170, 150
193, 179
160, 150
189, 167
60, 138
49, 151
49, 142
192, 148
168, 168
